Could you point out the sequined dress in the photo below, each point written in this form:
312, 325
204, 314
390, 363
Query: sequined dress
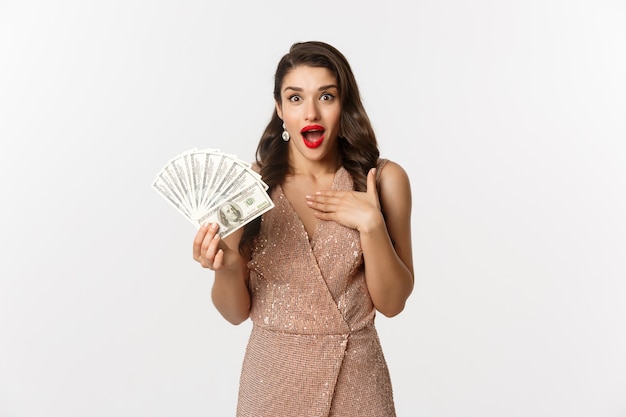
313, 350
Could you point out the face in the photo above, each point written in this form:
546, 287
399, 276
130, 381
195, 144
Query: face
230, 213
311, 110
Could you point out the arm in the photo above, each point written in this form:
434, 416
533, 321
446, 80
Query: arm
386, 241
230, 292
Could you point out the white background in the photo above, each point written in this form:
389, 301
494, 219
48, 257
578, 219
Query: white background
509, 116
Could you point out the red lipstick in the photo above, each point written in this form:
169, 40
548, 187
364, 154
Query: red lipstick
313, 135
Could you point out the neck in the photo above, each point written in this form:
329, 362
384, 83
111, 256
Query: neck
315, 169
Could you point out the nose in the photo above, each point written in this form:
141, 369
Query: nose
312, 112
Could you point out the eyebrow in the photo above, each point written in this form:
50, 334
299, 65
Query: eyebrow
322, 88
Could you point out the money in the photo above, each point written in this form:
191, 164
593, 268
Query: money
210, 186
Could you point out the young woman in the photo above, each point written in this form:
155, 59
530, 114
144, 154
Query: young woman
312, 272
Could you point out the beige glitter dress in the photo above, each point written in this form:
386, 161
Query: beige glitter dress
313, 350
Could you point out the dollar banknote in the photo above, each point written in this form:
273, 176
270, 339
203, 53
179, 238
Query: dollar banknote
238, 209
211, 186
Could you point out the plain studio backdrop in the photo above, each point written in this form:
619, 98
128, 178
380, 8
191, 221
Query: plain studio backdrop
509, 117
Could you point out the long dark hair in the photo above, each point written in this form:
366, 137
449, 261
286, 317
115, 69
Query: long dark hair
357, 140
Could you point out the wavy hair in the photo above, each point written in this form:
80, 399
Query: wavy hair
357, 140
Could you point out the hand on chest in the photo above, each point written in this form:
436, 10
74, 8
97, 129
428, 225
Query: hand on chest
297, 187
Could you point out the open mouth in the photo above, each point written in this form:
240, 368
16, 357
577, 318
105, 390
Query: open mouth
313, 135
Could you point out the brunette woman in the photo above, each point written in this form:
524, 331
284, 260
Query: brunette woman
312, 272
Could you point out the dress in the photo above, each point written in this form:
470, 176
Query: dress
313, 350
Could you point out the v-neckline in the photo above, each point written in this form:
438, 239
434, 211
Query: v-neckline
310, 238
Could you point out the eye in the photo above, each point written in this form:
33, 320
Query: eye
327, 97
294, 98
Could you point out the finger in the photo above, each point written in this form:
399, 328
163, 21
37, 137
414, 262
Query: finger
214, 247
209, 257
198, 239
218, 261
325, 197
209, 243
325, 215
323, 205
326, 194
371, 182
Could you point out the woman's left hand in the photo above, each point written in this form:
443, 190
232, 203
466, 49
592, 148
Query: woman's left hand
353, 209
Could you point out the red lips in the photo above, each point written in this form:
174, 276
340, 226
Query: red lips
313, 135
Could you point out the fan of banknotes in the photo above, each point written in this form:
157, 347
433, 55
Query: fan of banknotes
208, 186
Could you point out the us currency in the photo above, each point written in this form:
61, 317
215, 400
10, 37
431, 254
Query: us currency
239, 209
230, 177
171, 197
199, 183
221, 164
168, 184
180, 172
207, 162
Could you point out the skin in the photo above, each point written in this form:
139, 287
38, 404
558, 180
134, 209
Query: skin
309, 96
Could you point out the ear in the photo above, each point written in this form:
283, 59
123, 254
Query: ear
279, 110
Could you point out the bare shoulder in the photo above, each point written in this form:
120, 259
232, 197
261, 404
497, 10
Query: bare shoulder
395, 201
394, 193
394, 181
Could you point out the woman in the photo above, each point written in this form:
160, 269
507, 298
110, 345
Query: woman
312, 272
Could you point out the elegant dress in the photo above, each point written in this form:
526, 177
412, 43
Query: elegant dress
313, 350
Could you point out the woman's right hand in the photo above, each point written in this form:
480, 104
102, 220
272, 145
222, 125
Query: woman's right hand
208, 248
230, 292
